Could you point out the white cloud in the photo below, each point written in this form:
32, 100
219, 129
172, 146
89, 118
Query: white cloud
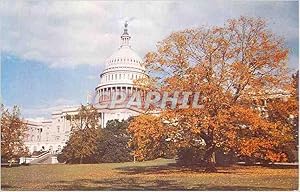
36, 119
71, 33
43, 111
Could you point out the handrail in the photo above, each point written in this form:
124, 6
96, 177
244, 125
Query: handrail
37, 156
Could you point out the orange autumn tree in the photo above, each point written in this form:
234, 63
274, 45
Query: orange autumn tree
13, 132
285, 112
232, 66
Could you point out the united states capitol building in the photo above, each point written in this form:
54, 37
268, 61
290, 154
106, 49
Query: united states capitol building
121, 69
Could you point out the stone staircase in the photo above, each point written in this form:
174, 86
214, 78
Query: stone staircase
44, 158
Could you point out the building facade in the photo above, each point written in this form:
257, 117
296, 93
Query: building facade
121, 69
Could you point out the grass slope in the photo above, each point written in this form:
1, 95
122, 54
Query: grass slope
160, 174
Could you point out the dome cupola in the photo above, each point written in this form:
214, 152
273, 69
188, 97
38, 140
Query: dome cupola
125, 56
125, 36
123, 66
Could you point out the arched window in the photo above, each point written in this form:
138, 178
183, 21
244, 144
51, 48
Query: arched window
119, 76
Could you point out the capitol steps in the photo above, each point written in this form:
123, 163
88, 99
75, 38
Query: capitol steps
44, 158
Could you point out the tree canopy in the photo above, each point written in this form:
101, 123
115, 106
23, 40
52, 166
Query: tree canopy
84, 135
13, 132
112, 146
234, 67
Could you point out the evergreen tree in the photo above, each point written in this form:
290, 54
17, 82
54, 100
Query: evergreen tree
112, 146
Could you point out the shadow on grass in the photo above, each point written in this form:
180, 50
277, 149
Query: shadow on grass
140, 184
5, 187
274, 166
170, 168
117, 184
131, 178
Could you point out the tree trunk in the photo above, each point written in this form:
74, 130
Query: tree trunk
209, 159
80, 162
209, 156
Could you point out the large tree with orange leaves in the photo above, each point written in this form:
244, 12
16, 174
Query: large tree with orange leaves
234, 67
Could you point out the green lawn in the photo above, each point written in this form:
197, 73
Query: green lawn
152, 175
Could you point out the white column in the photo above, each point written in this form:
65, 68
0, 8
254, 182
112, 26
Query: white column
103, 95
124, 90
100, 94
109, 93
102, 121
65, 122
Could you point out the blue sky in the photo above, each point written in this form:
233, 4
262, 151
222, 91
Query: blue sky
52, 52
30, 84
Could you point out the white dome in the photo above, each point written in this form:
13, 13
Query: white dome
122, 67
124, 57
